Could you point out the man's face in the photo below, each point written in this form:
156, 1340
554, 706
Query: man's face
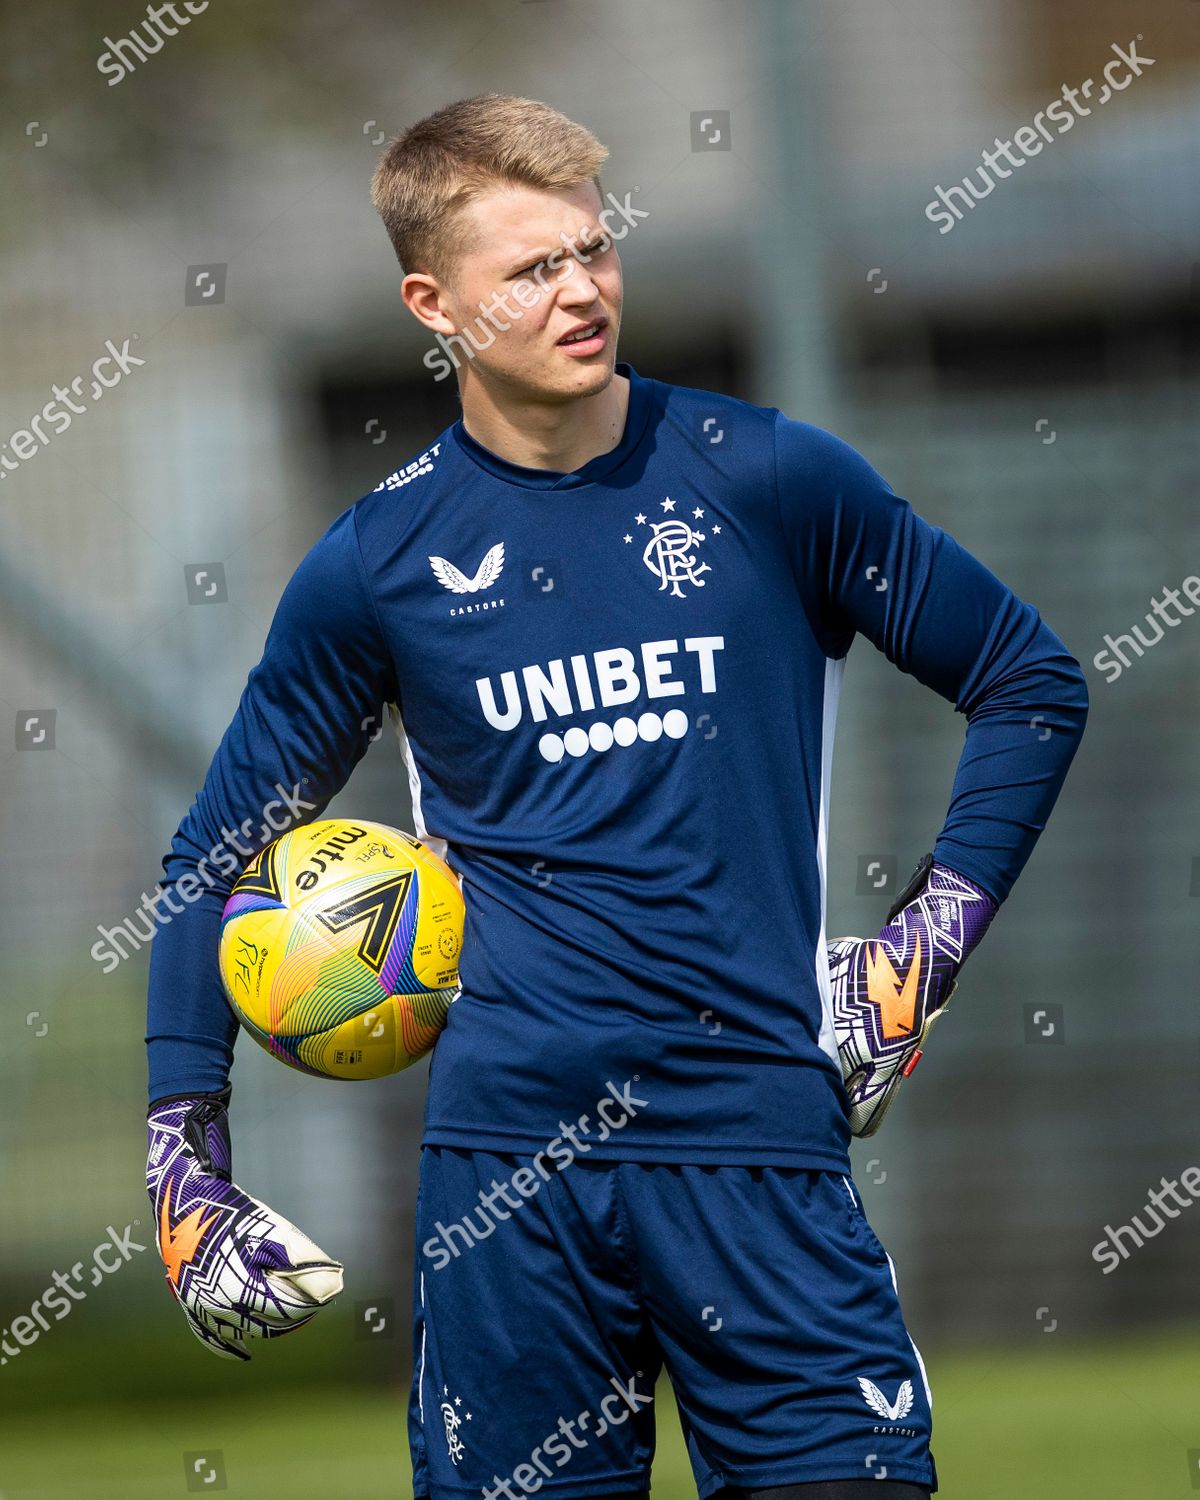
542, 264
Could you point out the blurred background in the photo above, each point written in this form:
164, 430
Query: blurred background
1025, 370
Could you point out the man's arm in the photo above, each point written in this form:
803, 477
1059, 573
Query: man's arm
240, 1270
309, 710
865, 563
950, 623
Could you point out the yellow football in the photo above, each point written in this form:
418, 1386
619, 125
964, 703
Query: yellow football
339, 948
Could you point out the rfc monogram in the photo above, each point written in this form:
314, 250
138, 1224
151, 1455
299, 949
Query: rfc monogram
452, 1420
670, 553
670, 557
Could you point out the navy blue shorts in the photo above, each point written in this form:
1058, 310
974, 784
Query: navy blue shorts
547, 1302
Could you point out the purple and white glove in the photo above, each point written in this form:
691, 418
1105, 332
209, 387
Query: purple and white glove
236, 1268
888, 993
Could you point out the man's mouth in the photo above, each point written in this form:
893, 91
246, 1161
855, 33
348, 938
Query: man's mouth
585, 338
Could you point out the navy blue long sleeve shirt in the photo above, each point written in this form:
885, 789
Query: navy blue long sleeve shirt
615, 691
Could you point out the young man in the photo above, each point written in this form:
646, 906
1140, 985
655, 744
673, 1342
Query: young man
611, 616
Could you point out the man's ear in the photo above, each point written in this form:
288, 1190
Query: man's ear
425, 298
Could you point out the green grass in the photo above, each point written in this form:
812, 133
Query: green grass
1051, 1422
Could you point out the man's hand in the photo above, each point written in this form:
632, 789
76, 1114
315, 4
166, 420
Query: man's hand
888, 993
238, 1270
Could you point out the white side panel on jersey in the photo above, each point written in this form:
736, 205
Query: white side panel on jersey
414, 784
834, 671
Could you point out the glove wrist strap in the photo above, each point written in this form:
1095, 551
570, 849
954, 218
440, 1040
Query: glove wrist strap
203, 1122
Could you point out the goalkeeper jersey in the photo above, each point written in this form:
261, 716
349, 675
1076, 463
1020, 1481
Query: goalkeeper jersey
615, 692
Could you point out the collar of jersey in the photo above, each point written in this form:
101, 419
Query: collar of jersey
636, 418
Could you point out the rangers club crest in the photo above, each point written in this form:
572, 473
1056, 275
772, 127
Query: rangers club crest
452, 1420
670, 550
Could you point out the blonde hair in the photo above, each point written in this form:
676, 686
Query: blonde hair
436, 167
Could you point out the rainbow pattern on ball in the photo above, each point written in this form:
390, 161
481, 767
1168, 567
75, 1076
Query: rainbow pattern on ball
339, 948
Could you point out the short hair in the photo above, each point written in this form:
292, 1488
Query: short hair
436, 167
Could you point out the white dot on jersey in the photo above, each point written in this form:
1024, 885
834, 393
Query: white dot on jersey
649, 726
625, 731
575, 741
675, 723
552, 748
600, 735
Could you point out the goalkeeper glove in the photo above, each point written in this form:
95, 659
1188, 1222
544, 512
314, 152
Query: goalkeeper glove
888, 993
238, 1270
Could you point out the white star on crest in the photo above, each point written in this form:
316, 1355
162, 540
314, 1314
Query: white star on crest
668, 505
640, 519
628, 538
716, 531
698, 513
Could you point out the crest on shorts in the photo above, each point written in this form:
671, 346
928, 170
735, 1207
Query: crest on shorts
452, 1419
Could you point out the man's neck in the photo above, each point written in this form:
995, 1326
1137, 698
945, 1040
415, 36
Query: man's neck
539, 435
